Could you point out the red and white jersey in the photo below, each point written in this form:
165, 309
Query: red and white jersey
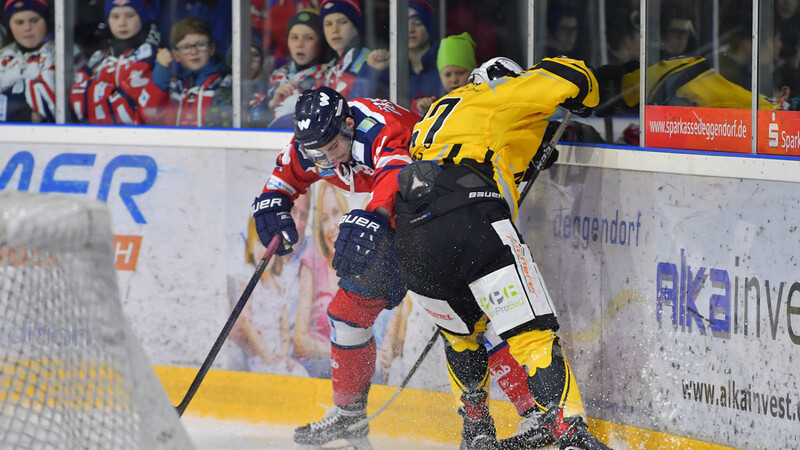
27, 83
379, 152
113, 88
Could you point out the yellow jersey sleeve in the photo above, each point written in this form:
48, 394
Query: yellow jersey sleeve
503, 121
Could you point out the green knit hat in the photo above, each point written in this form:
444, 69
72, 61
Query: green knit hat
457, 50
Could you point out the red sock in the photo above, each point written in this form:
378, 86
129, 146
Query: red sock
512, 378
351, 371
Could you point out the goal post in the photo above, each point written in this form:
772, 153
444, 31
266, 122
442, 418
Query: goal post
72, 373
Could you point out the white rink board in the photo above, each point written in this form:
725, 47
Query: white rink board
192, 204
700, 240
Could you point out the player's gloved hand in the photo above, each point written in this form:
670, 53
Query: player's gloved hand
271, 211
361, 234
544, 165
577, 108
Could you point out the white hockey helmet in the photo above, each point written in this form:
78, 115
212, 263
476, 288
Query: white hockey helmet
493, 69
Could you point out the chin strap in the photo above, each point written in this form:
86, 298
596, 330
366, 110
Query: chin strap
345, 173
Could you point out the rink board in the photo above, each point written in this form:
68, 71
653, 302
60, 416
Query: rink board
720, 252
680, 298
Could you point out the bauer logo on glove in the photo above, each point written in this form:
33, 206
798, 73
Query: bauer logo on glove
267, 203
272, 214
361, 235
359, 221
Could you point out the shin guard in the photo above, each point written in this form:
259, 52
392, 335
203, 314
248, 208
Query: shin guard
353, 349
351, 371
467, 363
550, 377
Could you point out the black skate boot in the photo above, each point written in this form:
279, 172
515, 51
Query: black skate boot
571, 433
478, 432
336, 425
530, 434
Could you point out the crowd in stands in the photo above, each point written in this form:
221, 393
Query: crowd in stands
167, 63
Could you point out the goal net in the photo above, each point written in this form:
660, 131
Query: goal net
72, 374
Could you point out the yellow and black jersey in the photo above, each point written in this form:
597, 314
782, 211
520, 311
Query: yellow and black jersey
502, 121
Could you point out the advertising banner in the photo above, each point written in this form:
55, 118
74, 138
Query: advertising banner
185, 247
695, 128
167, 209
679, 299
779, 133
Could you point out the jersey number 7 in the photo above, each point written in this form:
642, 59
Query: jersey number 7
441, 111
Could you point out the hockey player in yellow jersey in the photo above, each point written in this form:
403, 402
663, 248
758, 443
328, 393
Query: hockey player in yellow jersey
462, 258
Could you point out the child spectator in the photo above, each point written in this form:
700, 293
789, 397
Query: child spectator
273, 23
307, 48
423, 44
111, 89
357, 71
455, 61
27, 76
563, 32
218, 14
678, 36
202, 89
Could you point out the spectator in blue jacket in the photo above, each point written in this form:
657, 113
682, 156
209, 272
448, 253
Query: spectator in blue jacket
423, 45
217, 13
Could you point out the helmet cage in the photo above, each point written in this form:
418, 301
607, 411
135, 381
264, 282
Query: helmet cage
318, 157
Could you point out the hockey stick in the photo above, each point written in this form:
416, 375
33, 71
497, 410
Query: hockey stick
547, 150
262, 265
414, 368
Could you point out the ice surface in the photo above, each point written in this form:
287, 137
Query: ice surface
213, 434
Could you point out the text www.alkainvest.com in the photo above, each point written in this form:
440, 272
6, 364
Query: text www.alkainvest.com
709, 130
728, 395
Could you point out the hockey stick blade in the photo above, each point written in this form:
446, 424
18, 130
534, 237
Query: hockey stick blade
547, 151
400, 388
201, 374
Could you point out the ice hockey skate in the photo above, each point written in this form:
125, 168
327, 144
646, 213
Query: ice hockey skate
478, 432
334, 431
530, 434
571, 432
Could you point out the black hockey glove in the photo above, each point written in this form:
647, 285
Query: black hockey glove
271, 211
537, 159
361, 235
577, 108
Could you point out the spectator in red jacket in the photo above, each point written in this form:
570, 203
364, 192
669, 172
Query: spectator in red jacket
110, 89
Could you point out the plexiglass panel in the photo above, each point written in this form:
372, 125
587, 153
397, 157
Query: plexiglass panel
779, 78
152, 63
698, 93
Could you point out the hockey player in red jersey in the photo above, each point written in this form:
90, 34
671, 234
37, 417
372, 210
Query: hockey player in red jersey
359, 146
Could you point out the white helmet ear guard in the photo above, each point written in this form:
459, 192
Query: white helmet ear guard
493, 69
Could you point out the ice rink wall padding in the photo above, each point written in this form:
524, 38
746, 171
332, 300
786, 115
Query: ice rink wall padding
676, 283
